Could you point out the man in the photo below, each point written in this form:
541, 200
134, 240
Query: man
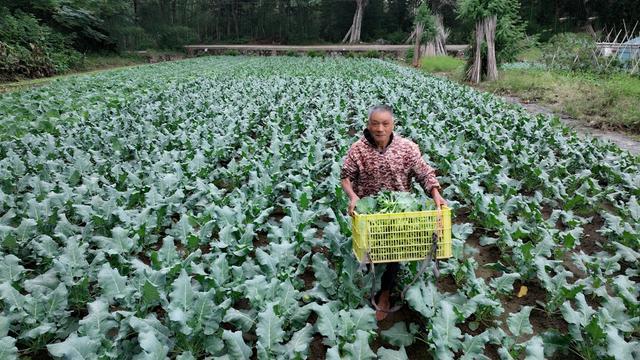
382, 160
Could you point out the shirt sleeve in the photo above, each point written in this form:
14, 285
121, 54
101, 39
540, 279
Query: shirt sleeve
349, 167
424, 174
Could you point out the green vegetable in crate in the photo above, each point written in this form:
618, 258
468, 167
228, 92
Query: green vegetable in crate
387, 202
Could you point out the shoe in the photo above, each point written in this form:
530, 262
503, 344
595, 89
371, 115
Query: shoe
383, 303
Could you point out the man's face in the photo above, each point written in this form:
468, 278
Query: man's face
381, 126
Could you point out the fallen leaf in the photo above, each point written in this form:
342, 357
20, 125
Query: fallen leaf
523, 291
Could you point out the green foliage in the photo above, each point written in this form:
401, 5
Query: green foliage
425, 18
86, 24
578, 52
80, 20
569, 51
408, 56
392, 202
398, 335
30, 49
476, 10
510, 30
316, 53
372, 54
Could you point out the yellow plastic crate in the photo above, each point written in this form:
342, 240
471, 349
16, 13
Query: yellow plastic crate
401, 236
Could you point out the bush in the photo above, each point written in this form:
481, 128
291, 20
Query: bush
408, 56
569, 51
315, 53
372, 54
578, 53
511, 37
30, 49
291, 53
231, 52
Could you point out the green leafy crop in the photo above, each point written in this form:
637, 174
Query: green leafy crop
392, 202
193, 210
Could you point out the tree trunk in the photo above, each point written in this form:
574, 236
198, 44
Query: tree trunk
490, 24
430, 49
163, 13
441, 37
173, 12
214, 15
228, 33
235, 19
344, 39
475, 71
354, 31
355, 36
411, 37
135, 11
416, 48
556, 16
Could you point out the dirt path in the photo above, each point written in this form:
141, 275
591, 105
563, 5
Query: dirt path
623, 141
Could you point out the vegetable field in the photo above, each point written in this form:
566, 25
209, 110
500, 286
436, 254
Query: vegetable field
193, 210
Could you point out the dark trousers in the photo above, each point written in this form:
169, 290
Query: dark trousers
389, 276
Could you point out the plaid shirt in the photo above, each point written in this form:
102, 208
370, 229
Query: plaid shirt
372, 170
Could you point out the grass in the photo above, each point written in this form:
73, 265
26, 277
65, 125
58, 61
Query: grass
97, 61
442, 64
604, 101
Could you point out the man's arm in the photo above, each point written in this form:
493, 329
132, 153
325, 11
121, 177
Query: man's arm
353, 198
425, 175
437, 198
348, 173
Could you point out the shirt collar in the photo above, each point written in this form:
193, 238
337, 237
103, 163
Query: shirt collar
372, 142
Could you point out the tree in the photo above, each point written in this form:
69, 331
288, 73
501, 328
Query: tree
437, 46
356, 27
425, 30
497, 22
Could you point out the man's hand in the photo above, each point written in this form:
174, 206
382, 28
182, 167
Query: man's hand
352, 204
437, 198
353, 198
